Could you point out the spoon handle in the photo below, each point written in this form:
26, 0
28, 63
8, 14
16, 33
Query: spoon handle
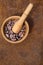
26, 13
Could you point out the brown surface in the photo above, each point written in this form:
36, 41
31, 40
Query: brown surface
29, 52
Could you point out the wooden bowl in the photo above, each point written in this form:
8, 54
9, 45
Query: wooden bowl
24, 37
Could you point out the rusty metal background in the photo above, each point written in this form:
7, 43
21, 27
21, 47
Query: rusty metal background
29, 52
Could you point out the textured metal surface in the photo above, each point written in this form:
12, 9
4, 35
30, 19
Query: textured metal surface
29, 52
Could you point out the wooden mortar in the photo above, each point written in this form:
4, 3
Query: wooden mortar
2, 30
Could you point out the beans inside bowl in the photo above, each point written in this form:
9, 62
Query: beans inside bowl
10, 34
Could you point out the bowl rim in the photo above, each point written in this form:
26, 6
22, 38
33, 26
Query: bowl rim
14, 17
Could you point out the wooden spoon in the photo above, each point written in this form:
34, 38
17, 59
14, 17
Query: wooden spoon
18, 25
